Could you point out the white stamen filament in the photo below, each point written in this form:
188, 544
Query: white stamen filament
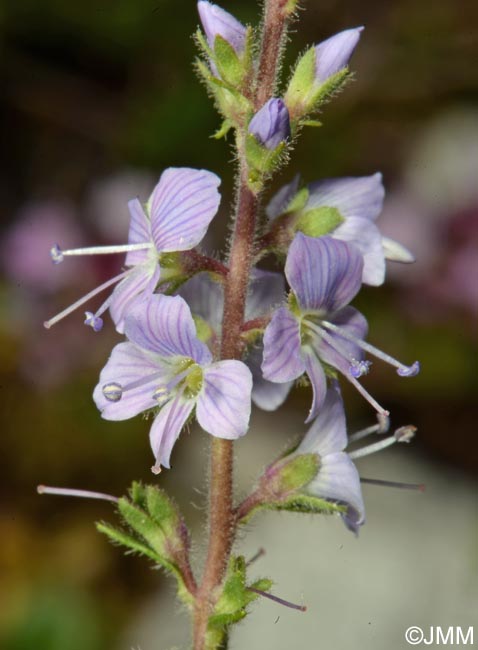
84, 299
404, 434
68, 492
338, 348
106, 250
371, 349
382, 426
394, 484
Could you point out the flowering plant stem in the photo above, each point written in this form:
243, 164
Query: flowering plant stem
222, 519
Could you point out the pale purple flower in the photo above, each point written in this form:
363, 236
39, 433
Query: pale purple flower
176, 217
318, 326
164, 365
333, 54
271, 125
358, 201
337, 479
218, 22
206, 301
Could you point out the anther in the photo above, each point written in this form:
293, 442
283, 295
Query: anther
113, 392
56, 254
409, 371
405, 433
359, 368
95, 322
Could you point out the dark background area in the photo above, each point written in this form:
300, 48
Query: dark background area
97, 98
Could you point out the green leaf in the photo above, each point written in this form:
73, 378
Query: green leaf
319, 221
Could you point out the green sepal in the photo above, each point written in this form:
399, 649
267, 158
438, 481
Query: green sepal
294, 473
223, 130
312, 123
301, 83
319, 221
120, 538
299, 201
228, 64
308, 504
203, 330
261, 159
231, 606
328, 89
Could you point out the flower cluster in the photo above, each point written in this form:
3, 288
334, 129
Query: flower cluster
169, 300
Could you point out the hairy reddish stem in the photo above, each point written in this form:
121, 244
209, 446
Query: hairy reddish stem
222, 515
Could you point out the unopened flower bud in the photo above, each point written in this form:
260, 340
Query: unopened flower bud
217, 22
271, 125
333, 54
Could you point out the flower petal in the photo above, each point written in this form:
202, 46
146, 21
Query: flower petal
324, 273
282, 350
267, 395
266, 290
181, 206
360, 196
279, 202
333, 54
139, 232
166, 428
224, 403
365, 235
141, 281
338, 480
316, 374
128, 364
355, 324
205, 299
328, 432
163, 324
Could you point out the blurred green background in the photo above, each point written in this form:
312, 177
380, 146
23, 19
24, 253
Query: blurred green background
99, 97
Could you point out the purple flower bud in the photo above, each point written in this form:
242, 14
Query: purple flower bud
333, 55
217, 22
270, 125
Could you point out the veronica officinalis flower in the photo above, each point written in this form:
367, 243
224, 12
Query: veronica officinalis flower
164, 364
318, 326
344, 208
337, 478
176, 218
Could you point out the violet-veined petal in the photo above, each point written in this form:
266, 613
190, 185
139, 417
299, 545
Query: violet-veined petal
279, 202
140, 282
126, 365
338, 480
182, 205
365, 235
166, 428
139, 232
333, 54
328, 432
282, 348
205, 299
325, 274
344, 352
267, 395
163, 324
316, 374
224, 403
360, 196
266, 290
